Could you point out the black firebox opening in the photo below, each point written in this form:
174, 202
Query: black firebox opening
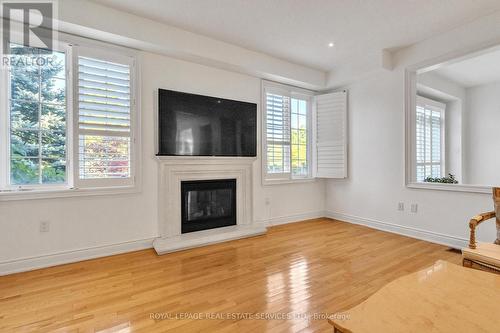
208, 204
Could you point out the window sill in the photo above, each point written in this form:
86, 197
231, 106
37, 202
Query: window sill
65, 193
451, 187
270, 181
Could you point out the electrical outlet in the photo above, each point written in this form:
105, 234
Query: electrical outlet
44, 226
401, 206
414, 208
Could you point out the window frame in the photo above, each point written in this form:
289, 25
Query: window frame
433, 105
291, 92
73, 187
5, 169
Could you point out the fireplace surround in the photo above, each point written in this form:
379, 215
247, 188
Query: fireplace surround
173, 170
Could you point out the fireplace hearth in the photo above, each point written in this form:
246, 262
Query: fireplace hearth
208, 204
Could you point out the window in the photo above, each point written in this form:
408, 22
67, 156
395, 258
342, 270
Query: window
429, 122
37, 112
70, 117
299, 136
287, 132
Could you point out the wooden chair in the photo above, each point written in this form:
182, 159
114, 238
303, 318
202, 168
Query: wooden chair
484, 256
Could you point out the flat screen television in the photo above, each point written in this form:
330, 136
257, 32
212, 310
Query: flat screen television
196, 125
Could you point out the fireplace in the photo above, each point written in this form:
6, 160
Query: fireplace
180, 175
208, 204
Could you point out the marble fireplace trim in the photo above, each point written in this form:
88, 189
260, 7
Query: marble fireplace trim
172, 172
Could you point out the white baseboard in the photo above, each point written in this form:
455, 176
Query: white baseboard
293, 218
31, 263
429, 236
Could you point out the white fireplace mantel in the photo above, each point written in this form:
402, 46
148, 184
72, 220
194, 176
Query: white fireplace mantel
174, 170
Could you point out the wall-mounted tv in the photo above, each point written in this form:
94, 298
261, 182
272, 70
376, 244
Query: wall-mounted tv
196, 125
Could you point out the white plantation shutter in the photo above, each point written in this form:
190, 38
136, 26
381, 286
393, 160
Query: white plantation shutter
104, 93
278, 133
103, 96
331, 135
429, 131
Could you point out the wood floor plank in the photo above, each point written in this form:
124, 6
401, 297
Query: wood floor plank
300, 270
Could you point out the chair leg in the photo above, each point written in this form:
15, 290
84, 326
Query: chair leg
497, 241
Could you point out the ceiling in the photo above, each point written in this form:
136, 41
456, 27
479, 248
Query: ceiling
299, 30
475, 71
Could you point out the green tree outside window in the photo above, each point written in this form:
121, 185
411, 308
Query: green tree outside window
37, 116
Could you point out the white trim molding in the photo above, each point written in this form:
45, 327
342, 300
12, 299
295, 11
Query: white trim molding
67, 192
451, 187
425, 235
66, 257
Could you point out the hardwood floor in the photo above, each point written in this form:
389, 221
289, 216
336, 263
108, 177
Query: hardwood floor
309, 268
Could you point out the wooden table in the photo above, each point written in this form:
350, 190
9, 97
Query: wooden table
442, 298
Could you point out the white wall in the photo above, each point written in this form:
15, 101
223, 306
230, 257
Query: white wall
81, 223
168, 73
377, 163
377, 149
481, 129
454, 139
